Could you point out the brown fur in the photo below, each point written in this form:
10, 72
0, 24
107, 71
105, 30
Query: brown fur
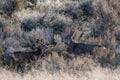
79, 48
20, 58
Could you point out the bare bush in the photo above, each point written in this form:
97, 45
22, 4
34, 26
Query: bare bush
29, 24
9, 7
42, 34
3, 24
1, 50
104, 18
87, 8
11, 43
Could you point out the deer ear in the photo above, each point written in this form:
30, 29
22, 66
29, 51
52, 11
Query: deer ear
37, 41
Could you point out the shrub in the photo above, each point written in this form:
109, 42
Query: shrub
98, 31
29, 24
40, 35
70, 10
104, 19
1, 50
58, 27
87, 8
3, 24
118, 37
11, 5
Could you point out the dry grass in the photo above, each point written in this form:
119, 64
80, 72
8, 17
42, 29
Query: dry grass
24, 14
97, 73
80, 68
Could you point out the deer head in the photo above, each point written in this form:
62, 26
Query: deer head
72, 36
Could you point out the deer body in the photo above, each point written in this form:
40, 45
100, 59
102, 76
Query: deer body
79, 48
20, 58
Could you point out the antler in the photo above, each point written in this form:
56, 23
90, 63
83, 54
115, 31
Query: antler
76, 35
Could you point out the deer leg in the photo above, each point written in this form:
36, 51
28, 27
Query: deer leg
20, 68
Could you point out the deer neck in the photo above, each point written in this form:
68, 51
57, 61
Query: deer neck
38, 51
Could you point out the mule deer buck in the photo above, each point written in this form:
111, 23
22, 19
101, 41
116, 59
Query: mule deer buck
79, 48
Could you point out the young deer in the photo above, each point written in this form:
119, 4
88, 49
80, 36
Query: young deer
27, 57
20, 58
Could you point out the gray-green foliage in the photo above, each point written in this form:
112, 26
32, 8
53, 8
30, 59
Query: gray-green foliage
29, 24
1, 50
2, 12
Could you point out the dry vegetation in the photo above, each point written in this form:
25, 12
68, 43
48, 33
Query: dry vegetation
54, 23
78, 69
